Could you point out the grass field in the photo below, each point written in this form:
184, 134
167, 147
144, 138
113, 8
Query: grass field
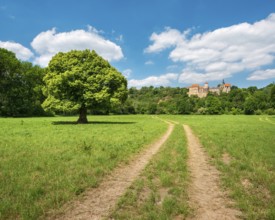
243, 149
161, 190
45, 162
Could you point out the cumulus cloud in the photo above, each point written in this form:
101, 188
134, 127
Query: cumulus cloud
168, 38
172, 67
21, 52
48, 43
162, 80
219, 54
262, 74
191, 76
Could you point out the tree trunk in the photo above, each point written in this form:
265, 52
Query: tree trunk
82, 116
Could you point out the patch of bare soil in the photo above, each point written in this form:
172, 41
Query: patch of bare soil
246, 183
226, 158
206, 197
98, 202
163, 192
143, 195
258, 190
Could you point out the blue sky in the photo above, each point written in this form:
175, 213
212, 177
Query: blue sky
152, 42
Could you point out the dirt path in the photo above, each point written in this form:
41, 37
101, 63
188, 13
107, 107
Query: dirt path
206, 197
99, 201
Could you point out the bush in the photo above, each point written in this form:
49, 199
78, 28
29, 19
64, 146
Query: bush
236, 111
202, 111
258, 112
270, 111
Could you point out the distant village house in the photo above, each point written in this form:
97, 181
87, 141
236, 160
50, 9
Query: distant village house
202, 91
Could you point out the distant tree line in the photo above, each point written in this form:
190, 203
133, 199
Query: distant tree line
167, 100
22, 85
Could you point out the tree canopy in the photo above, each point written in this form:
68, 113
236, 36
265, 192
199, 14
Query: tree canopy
77, 81
167, 100
20, 86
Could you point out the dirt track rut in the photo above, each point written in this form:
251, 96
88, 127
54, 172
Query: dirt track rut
206, 196
98, 202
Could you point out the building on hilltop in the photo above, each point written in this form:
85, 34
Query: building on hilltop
226, 87
202, 91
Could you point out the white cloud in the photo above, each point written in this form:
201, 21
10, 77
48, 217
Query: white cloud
94, 30
162, 80
48, 43
221, 53
191, 76
149, 62
262, 74
127, 73
172, 67
168, 38
21, 52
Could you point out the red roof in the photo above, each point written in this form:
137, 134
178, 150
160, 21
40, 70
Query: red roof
227, 84
194, 85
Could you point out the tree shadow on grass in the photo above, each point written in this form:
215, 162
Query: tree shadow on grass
93, 122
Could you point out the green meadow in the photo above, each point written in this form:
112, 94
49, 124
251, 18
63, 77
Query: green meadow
243, 149
46, 162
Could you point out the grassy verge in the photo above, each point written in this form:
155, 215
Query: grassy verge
242, 148
45, 162
160, 192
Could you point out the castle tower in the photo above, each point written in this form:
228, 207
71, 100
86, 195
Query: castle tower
206, 87
226, 87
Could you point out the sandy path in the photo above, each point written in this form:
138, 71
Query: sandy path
206, 197
99, 201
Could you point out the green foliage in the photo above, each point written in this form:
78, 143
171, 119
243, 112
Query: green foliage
213, 105
162, 100
166, 100
81, 80
250, 105
20, 86
272, 96
270, 111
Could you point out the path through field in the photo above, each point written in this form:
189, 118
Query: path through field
206, 197
98, 202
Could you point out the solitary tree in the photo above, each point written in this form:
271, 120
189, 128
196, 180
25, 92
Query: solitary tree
82, 80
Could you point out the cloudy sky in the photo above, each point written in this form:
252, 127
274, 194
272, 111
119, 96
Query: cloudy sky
152, 42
